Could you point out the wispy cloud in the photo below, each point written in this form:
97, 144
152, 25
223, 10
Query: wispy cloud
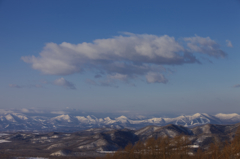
205, 46
123, 57
153, 77
14, 86
97, 76
104, 83
64, 83
229, 43
91, 82
24, 110
25, 86
59, 82
237, 86
58, 112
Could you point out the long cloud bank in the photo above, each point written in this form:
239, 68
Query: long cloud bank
124, 57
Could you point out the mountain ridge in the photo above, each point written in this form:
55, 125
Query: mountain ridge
65, 122
97, 141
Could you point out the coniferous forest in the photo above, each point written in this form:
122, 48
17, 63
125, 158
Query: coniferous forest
178, 148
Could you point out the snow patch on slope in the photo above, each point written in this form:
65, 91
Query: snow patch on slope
9, 117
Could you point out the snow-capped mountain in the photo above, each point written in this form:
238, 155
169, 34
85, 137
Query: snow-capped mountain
12, 121
61, 118
230, 118
98, 141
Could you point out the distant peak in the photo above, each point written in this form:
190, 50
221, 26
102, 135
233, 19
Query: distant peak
9, 117
62, 117
89, 117
197, 114
122, 117
232, 114
226, 116
107, 118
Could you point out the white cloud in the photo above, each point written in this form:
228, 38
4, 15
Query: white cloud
153, 77
122, 57
64, 83
205, 46
229, 43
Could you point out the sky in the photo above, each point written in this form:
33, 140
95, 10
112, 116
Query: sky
172, 57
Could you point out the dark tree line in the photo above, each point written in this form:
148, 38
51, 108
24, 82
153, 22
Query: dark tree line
178, 148
164, 148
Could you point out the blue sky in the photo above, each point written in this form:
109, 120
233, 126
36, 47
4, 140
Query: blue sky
141, 56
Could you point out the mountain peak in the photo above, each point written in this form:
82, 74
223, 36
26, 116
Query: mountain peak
197, 115
226, 116
122, 117
62, 118
9, 117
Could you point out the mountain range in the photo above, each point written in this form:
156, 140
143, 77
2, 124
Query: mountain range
15, 121
99, 141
